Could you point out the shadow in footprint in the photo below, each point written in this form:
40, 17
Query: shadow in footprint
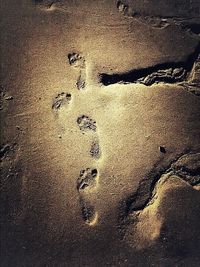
95, 150
89, 214
85, 123
78, 61
87, 178
60, 100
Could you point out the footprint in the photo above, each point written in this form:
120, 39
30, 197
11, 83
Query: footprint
89, 214
61, 100
95, 150
5, 98
7, 150
85, 123
122, 7
87, 178
81, 83
78, 62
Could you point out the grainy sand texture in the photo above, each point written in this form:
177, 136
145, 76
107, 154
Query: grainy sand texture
100, 133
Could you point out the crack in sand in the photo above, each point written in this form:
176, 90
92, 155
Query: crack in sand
182, 73
146, 189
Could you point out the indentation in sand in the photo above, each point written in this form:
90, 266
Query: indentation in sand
95, 150
78, 62
87, 179
85, 123
89, 215
60, 100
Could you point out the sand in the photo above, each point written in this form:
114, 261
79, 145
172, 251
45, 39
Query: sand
100, 133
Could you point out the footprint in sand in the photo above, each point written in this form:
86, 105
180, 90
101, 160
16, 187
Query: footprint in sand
95, 150
77, 61
89, 215
61, 100
85, 124
86, 183
87, 179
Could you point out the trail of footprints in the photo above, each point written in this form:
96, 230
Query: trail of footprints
88, 179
